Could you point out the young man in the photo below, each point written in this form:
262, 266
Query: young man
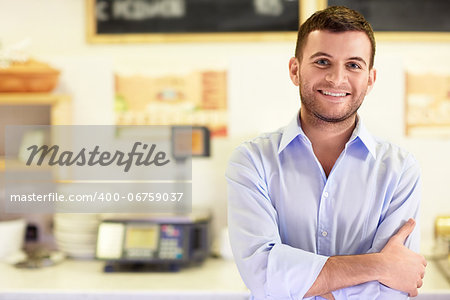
321, 207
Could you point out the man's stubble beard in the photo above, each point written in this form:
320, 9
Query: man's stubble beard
309, 103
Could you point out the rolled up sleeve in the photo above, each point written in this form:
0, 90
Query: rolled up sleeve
269, 268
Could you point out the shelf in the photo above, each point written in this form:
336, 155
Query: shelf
16, 165
31, 98
60, 104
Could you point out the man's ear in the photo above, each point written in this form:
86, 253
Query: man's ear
371, 81
294, 70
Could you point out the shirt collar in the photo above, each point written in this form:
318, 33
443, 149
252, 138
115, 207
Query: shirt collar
294, 129
364, 136
291, 131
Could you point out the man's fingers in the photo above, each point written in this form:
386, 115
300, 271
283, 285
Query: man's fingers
422, 274
424, 261
419, 283
406, 230
413, 293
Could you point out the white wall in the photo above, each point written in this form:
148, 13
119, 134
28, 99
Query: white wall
260, 99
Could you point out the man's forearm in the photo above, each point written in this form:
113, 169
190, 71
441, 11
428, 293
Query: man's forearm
395, 266
344, 271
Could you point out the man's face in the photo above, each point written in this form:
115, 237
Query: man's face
334, 74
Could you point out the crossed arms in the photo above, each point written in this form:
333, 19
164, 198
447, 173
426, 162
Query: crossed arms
395, 266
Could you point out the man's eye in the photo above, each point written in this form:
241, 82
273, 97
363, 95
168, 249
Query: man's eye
354, 66
322, 62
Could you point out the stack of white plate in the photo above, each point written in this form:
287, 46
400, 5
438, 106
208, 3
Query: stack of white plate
76, 234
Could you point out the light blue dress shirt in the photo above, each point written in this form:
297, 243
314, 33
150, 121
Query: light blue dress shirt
286, 217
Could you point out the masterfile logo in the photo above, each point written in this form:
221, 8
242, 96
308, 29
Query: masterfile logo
97, 169
148, 156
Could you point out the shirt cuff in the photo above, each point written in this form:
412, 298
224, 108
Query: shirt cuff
292, 271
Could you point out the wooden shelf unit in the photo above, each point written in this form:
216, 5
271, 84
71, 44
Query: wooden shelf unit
59, 104
60, 107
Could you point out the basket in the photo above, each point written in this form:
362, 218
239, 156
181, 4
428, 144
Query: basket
29, 77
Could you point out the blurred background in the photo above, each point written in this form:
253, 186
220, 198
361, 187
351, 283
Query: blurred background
236, 84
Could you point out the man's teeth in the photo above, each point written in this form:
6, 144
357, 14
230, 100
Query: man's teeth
334, 94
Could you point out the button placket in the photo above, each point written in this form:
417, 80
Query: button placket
325, 217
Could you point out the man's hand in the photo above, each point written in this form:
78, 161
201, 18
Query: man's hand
403, 268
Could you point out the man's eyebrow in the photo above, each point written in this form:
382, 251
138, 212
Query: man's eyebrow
357, 58
320, 54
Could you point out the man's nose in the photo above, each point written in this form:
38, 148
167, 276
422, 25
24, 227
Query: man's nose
336, 76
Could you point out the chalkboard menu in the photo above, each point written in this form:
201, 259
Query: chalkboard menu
402, 15
121, 18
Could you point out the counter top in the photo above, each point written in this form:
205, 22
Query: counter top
74, 277
215, 279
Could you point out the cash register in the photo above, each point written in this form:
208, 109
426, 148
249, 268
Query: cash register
153, 242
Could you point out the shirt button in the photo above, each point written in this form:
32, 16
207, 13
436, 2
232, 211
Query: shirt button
324, 233
325, 194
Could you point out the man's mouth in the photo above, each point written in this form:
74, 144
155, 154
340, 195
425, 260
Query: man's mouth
334, 94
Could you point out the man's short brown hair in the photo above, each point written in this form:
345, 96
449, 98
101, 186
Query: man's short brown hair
334, 19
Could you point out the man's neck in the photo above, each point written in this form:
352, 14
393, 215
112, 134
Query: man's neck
321, 132
328, 139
